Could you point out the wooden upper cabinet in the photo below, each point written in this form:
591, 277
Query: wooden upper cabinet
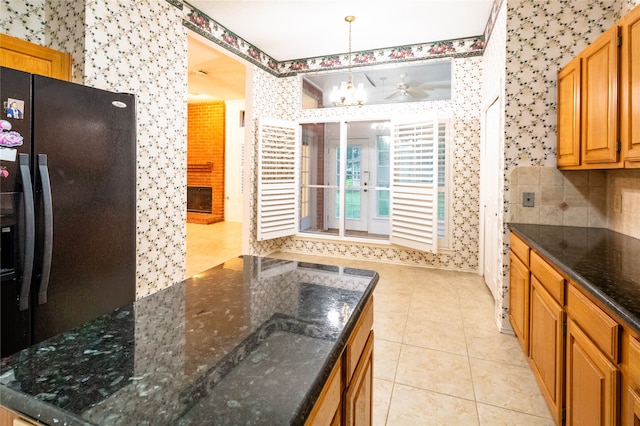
630, 89
599, 99
32, 58
568, 132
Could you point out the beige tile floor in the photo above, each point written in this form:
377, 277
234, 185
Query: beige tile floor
438, 358
210, 245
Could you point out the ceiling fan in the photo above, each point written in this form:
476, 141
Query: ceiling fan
405, 91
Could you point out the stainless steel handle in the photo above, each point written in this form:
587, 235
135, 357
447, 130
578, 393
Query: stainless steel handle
29, 231
48, 228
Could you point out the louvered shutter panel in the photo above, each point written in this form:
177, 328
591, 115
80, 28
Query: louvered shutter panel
414, 184
277, 179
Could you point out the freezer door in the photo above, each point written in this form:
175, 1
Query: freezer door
15, 252
85, 149
15, 95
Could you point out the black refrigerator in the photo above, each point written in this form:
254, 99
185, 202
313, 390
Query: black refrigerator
67, 205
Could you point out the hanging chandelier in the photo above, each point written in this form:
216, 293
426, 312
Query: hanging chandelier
347, 94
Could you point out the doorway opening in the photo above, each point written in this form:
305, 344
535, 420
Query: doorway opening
215, 135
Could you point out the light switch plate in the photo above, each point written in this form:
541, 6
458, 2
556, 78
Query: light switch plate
528, 199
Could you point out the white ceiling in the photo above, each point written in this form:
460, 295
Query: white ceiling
296, 29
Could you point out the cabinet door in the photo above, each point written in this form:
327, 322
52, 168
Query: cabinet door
635, 408
592, 382
599, 98
630, 90
9, 417
546, 346
32, 58
358, 397
568, 121
327, 410
519, 300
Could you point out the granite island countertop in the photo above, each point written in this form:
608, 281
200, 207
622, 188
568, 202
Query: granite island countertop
603, 262
251, 341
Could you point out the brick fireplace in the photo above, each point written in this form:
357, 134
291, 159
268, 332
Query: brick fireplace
205, 162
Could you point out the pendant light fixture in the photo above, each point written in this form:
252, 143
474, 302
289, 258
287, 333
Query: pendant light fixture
347, 94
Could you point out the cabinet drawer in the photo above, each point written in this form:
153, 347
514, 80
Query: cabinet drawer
634, 363
519, 248
552, 281
600, 327
358, 339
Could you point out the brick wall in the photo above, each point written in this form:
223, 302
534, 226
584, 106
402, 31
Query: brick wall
205, 156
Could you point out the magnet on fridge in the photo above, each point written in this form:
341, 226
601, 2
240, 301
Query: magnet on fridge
8, 154
8, 138
14, 108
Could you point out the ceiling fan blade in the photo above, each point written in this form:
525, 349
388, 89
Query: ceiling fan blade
395, 95
431, 87
416, 94
370, 81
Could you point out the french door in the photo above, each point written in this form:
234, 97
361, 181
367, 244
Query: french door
355, 170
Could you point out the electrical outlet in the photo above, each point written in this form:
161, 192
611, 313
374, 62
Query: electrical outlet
617, 203
528, 199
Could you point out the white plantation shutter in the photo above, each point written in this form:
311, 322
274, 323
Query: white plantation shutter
414, 184
277, 179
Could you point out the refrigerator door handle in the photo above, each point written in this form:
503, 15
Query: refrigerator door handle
48, 228
29, 231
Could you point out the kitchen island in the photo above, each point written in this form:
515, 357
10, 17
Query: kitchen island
252, 341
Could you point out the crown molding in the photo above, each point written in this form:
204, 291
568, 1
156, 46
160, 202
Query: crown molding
204, 25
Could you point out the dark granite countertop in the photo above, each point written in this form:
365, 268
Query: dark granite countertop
250, 342
603, 262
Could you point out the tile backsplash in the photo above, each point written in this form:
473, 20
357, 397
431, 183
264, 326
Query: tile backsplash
596, 198
623, 201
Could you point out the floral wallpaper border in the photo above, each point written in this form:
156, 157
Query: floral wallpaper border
201, 23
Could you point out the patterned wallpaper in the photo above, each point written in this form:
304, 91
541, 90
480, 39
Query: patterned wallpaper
280, 98
137, 47
65, 31
23, 19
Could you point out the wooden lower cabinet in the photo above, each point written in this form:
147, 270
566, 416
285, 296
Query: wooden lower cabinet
357, 401
632, 413
546, 346
327, 409
519, 300
585, 359
635, 408
347, 396
592, 382
11, 418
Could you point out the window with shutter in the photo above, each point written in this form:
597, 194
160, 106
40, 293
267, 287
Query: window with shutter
278, 159
414, 184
